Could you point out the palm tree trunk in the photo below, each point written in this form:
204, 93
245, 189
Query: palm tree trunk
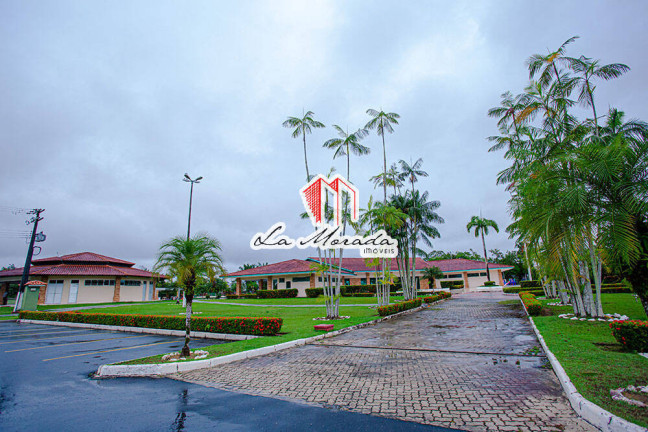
305, 158
485, 257
384, 168
186, 352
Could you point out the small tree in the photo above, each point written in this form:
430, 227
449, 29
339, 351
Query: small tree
189, 260
432, 274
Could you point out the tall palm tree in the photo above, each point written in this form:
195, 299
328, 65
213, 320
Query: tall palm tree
412, 172
545, 65
481, 226
393, 179
383, 123
587, 71
303, 126
347, 144
189, 260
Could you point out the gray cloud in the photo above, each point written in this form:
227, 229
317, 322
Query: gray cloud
104, 107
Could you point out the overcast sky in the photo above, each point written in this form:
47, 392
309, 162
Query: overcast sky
105, 105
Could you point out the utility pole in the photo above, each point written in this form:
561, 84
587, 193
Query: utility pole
30, 252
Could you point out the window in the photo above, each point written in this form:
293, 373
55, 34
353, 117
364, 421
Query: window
347, 282
452, 276
301, 279
287, 284
281, 280
363, 281
98, 282
482, 274
473, 274
131, 283
319, 279
372, 281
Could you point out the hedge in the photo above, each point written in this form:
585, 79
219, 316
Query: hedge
633, 335
399, 307
530, 284
437, 297
489, 283
539, 292
314, 292
278, 293
261, 326
452, 284
532, 305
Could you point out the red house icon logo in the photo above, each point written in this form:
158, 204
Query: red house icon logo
314, 198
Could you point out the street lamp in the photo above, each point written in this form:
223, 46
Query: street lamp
188, 179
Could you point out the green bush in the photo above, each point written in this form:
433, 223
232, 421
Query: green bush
314, 292
231, 296
399, 307
248, 296
633, 335
452, 284
361, 295
530, 284
437, 297
532, 305
262, 326
489, 283
278, 293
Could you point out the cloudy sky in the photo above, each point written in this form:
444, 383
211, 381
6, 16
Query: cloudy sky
105, 105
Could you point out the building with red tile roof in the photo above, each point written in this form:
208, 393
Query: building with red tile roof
86, 277
300, 274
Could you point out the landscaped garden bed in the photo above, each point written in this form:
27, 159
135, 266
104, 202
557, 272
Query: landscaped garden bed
260, 326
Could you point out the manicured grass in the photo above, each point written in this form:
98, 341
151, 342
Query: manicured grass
593, 359
304, 301
297, 322
73, 305
6, 309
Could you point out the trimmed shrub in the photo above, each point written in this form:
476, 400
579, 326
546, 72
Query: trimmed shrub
633, 335
530, 284
489, 283
261, 326
361, 295
399, 307
532, 305
231, 296
247, 296
278, 293
314, 292
452, 284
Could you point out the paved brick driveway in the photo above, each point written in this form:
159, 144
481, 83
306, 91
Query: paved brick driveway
468, 363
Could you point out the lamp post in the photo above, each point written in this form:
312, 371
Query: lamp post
189, 180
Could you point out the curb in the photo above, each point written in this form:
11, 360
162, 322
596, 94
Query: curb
589, 411
163, 332
148, 370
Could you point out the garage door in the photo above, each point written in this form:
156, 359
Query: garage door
54, 292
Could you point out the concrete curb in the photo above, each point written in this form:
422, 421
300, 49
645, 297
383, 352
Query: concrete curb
156, 369
163, 332
589, 411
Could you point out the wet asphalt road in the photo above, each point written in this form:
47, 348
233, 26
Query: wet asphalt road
45, 385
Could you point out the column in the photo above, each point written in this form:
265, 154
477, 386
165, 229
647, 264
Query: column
238, 286
155, 295
312, 280
42, 293
367, 278
117, 289
269, 282
465, 279
501, 279
3, 290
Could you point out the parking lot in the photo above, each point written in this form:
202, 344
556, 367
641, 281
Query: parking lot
46, 384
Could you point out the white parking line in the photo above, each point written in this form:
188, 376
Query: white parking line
111, 350
35, 334
48, 338
74, 343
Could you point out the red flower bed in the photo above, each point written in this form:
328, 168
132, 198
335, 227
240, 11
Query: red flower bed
633, 335
437, 297
532, 305
399, 307
259, 326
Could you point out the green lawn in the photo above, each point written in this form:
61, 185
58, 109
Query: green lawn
304, 301
73, 305
592, 358
297, 322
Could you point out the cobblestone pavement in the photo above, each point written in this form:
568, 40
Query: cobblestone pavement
468, 363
